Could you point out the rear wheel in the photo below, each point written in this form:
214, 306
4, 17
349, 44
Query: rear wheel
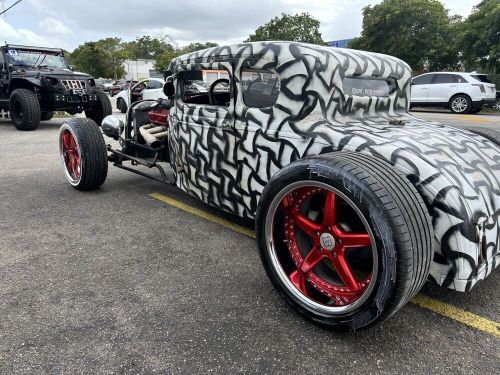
497, 105
121, 105
46, 116
460, 104
24, 109
83, 153
488, 133
344, 238
101, 109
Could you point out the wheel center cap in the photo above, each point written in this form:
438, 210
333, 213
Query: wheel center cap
327, 241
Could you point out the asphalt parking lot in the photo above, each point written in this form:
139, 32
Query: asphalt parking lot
116, 281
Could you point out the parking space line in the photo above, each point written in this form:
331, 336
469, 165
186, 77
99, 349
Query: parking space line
458, 314
203, 214
441, 308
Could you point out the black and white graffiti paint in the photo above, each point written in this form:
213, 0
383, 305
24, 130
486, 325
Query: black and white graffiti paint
226, 155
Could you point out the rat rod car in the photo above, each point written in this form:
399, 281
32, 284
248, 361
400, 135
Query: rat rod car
357, 203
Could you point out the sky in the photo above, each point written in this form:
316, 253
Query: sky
69, 23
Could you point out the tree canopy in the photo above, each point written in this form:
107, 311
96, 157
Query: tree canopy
103, 58
480, 38
296, 28
419, 32
163, 60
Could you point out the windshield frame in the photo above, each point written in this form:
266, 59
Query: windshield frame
19, 57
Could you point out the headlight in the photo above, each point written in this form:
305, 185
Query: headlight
51, 81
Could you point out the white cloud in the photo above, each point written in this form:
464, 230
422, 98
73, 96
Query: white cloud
53, 26
10, 34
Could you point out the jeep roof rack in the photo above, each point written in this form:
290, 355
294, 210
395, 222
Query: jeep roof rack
20, 46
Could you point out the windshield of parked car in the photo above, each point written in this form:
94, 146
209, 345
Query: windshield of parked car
481, 78
37, 59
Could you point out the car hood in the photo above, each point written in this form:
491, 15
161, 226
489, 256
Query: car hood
50, 72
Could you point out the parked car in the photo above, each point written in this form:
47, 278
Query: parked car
36, 81
357, 203
496, 105
151, 88
120, 85
459, 92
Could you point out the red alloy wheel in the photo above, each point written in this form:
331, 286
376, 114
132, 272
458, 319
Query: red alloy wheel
329, 245
71, 155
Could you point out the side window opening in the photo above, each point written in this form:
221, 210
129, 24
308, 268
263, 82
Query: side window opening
206, 87
260, 88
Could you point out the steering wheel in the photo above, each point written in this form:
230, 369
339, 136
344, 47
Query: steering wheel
211, 96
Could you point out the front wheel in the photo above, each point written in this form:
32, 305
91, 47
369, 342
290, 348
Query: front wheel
344, 238
460, 104
83, 153
24, 109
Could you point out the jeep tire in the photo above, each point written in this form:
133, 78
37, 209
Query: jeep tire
101, 110
46, 116
83, 152
24, 109
345, 238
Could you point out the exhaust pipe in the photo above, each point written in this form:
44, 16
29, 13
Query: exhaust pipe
153, 134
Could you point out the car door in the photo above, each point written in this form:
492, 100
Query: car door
153, 91
202, 136
443, 87
260, 152
420, 88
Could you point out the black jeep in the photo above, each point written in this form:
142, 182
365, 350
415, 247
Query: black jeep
36, 81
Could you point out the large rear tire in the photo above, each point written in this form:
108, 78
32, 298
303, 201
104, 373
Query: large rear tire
83, 153
491, 134
24, 109
345, 238
102, 109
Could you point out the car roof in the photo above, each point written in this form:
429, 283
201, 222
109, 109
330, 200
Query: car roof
273, 50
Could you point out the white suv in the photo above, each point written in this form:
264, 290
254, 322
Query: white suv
460, 92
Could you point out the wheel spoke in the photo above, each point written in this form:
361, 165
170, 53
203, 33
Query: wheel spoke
329, 213
74, 166
312, 259
306, 224
66, 141
344, 271
298, 279
355, 240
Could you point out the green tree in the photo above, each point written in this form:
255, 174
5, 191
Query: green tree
103, 58
296, 28
480, 39
419, 32
197, 46
163, 60
147, 47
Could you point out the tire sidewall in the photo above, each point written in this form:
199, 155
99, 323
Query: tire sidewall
373, 211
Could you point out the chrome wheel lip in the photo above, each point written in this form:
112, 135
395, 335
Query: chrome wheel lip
273, 256
72, 181
459, 104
